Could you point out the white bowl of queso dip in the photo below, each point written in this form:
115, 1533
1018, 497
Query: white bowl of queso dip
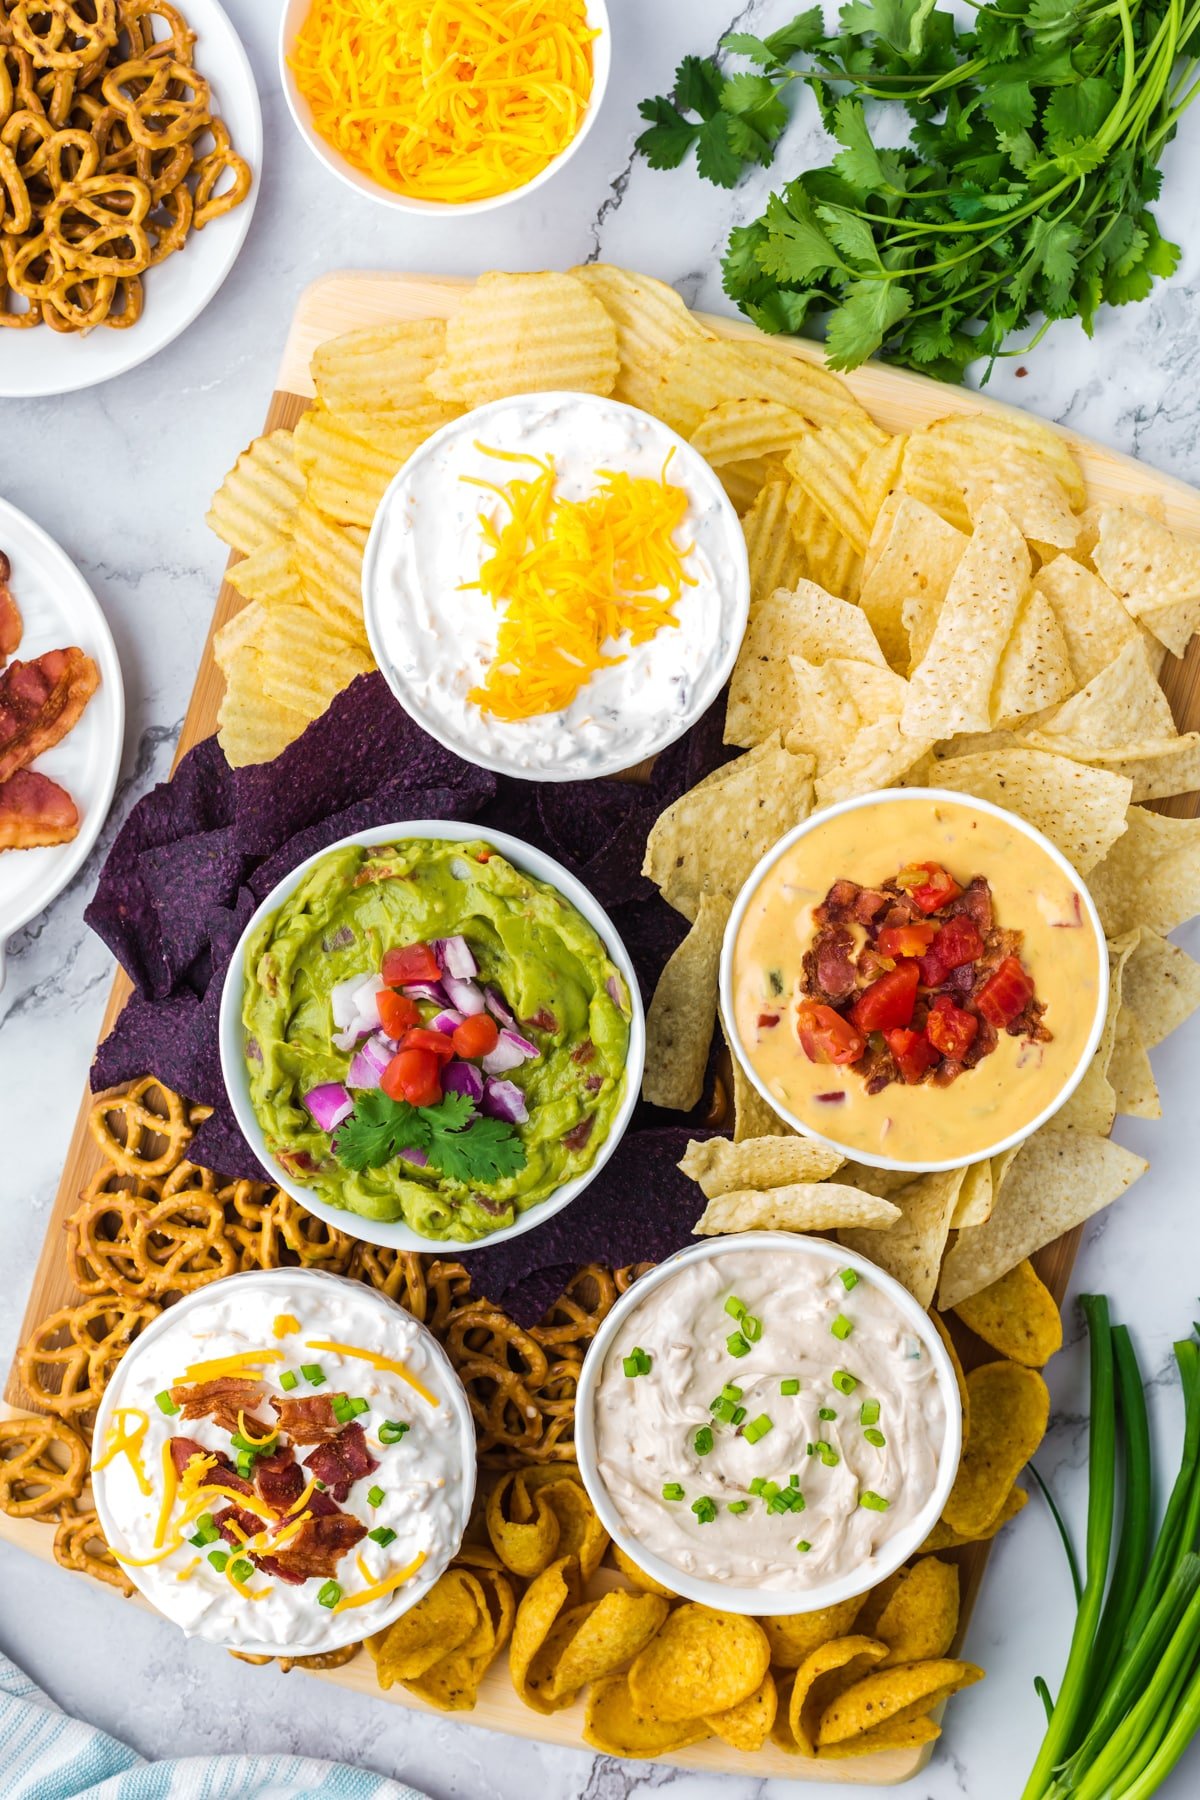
744, 1452
915, 978
359, 1395
434, 633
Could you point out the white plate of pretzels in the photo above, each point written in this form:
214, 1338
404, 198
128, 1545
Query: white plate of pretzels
130, 152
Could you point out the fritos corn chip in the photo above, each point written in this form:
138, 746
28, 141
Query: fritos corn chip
794, 1636
700, 1658
921, 1617
614, 1724
1017, 1315
893, 1695
747, 1726
1009, 1409
819, 1679
613, 1631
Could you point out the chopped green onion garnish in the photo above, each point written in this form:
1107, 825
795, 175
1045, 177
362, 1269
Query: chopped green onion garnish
313, 1373
723, 1410
383, 1534
288, 1380
875, 1502
637, 1362
206, 1533
868, 1413
730, 1392
826, 1412
218, 1559
844, 1383
841, 1327
359, 1405
874, 1436
803, 1544
251, 1447
702, 1443
736, 1344
705, 1509
758, 1428
341, 1408
375, 1496
245, 1464
752, 1328
789, 1385
242, 1569
793, 1480
329, 1594
735, 1308
827, 1454
758, 1484
165, 1403
673, 1490
848, 1278
391, 1431
738, 1506
810, 1449
739, 1413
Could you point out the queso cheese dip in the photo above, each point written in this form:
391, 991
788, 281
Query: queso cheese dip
834, 929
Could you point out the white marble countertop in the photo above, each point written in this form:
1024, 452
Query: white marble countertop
122, 476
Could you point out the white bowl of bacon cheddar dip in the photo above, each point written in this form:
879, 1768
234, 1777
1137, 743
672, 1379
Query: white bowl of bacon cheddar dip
436, 634
284, 1462
915, 978
768, 1423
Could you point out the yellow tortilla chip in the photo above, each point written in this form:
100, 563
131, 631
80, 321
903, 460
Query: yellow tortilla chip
1080, 809
1009, 1409
652, 321
821, 1677
944, 1537
752, 1117
912, 557
807, 622
1151, 876
911, 1249
776, 558
1030, 493
526, 334
1017, 1315
381, 366
547, 1597
613, 1631
975, 1197
838, 700
1035, 668
1135, 1091
1160, 984
794, 1636
982, 439
722, 1167
1122, 705
1057, 1180
895, 1694
683, 1012
1094, 623
1155, 572
1093, 1105
1157, 770
699, 1658
645, 1584
747, 1726
713, 837
615, 1725
921, 1617
798, 1206
950, 689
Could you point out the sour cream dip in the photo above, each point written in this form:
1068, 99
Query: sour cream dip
434, 635
300, 1336
772, 1419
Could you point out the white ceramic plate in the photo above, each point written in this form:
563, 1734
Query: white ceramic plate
42, 361
397, 1234
59, 609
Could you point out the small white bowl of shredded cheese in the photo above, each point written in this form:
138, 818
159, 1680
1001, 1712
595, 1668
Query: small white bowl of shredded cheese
434, 631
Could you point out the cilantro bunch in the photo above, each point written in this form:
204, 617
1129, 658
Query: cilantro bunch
457, 1141
1021, 197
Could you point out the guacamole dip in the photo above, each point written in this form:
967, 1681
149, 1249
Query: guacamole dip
432, 1035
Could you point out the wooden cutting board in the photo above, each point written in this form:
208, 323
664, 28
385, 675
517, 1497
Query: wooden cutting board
899, 401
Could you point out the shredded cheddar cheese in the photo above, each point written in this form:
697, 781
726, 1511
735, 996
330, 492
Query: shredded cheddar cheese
304, 1499
377, 1362
126, 1439
573, 577
285, 1324
244, 1429
243, 1590
367, 1574
446, 100
170, 1489
387, 1586
243, 1364
188, 1569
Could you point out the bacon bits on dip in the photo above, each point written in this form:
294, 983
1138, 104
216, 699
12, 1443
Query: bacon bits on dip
284, 1462
916, 977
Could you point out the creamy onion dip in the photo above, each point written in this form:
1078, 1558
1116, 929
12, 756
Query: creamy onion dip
434, 637
725, 1511
420, 1490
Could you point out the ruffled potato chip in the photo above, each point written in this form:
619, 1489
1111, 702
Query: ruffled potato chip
381, 366
831, 560
634, 1573
526, 334
893, 1695
611, 1632
440, 1623
1009, 1409
255, 503
921, 1617
652, 323
829, 466
1017, 1315
747, 1726
944, 1537
706, 371
794, 1636
614, 1724
820, 1678
531, 1657
349, 458
777, 559
699, 1659
722, 1167
797, 1206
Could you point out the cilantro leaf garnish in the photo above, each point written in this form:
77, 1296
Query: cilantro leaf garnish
458, 1142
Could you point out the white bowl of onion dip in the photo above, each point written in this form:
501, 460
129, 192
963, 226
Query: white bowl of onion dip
768, 1423
433, 632
369, 1483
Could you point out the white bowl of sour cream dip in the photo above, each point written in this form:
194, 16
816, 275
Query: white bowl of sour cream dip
434, 633
746, 1453
365, 1401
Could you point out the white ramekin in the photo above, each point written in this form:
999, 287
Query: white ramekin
292, 18
890, 797
396, 1234
319, 1283
723, 1595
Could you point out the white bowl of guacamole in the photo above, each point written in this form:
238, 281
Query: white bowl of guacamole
544, 951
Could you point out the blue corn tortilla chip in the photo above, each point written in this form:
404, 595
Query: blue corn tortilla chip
185, 880
220, 1146
150, 1037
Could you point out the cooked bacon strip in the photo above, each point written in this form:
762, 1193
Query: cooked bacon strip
40, 701
343, 1461
279, 1479
10, 616
318, 1547
221, 1401
829, 972
307, 1421
184, 1448
247, 1523
34, 811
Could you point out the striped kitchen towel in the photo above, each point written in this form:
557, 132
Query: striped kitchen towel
44, 1755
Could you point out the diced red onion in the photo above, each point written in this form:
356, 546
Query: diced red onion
362, 1073
494, 1000
616, 991
455, 958
510, 1051
448, 1021
364, 1016
329, 1105
504, 1100
463, 994
463, 1078
379, 1051
425, 990
413, 1155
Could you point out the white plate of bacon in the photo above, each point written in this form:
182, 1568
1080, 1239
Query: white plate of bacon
62, 721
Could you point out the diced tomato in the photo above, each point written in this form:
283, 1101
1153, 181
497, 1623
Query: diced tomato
905, 940
888, 1003
936, 891
958, 942
913, 1053
397, 1014
950, 1029
825, 1036
767, 1020
437, 1043
1006, 993
475, 1036
415, 1076
412, 962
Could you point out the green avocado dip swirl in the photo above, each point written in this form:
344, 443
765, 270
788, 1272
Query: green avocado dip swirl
529, 943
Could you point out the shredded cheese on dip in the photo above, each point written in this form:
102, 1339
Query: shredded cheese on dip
452, 101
